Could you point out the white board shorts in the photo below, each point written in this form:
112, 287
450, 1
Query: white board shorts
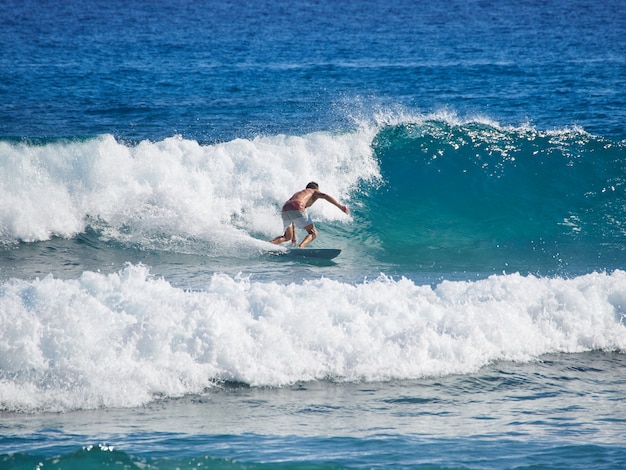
300, 218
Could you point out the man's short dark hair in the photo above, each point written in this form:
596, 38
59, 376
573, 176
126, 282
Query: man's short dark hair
312, 185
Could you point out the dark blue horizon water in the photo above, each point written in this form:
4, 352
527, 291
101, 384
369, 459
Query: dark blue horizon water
476, 317
219, 70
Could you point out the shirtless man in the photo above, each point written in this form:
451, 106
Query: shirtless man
294, 214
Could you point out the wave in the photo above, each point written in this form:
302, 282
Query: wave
478, 189
124, 339
431, 192
154, 193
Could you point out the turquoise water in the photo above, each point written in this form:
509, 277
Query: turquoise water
475, 317
506, 199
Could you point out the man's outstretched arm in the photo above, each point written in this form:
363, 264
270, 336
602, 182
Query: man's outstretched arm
333, 201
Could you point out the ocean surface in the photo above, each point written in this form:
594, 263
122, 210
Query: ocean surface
476, 317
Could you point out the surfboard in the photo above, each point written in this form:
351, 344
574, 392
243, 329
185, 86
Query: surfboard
318, 253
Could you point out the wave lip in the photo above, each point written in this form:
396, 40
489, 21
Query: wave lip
124, 339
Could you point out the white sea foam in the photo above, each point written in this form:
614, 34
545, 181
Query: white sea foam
174, 187
123, 339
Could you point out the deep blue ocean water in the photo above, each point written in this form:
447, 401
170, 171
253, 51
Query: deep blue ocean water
476, 317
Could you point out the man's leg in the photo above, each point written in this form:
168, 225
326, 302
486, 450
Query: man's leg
293, 233
285, 237
312, 235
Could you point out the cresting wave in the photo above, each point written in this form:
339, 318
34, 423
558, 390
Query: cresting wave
145, 193
124, 339
499, 195
425, 187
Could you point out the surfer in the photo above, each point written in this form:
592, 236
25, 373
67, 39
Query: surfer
294, 214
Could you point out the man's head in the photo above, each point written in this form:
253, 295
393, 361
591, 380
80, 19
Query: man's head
312, 185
